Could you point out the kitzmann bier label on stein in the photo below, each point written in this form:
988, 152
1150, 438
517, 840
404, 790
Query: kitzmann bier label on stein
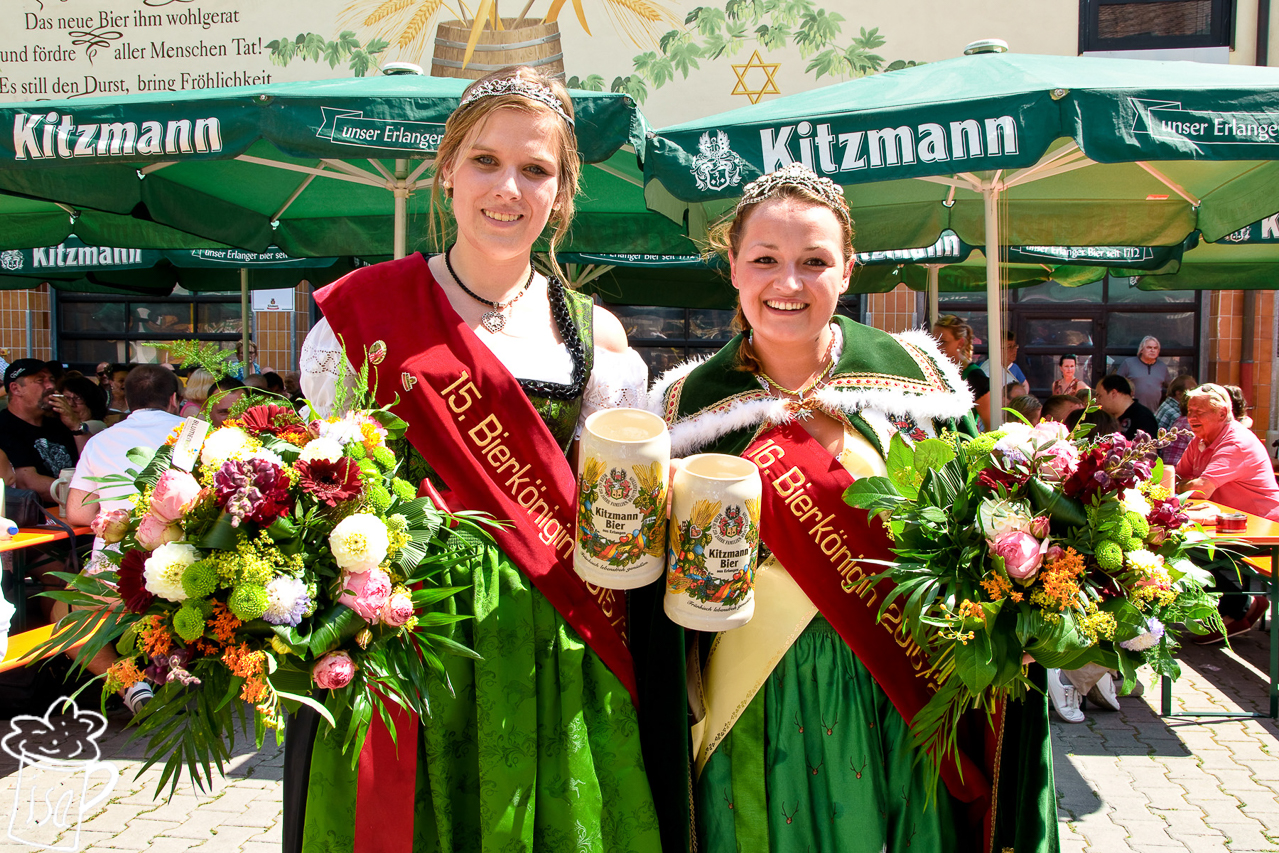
714, 543
624, 464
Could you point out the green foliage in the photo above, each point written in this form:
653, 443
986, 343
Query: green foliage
711, 33
592, 83
313, 47
207, 354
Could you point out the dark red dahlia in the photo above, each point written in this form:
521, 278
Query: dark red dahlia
992, 478
132, 584
253, 489
269, 419
330, 481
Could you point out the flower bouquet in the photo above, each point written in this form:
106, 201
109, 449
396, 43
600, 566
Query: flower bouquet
1035, 541
270, 558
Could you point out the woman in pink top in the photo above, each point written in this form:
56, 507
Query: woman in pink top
1228, 464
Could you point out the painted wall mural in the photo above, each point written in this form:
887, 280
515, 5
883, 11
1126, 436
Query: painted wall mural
678, 59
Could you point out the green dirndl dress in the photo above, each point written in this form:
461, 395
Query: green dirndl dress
539, 747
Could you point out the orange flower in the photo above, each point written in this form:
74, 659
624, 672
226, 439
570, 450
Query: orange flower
172, 438
371, 434
223, 623
254, 690
997, 587
243, 662
1060, 582
124, 672
156, 641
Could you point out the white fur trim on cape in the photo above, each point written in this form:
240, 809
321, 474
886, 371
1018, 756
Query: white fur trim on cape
689, 435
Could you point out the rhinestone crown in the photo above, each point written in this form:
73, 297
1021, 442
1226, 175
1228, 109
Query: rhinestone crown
518, 86
799, 175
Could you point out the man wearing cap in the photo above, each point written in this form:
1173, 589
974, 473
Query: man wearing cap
1227, 463
39, 431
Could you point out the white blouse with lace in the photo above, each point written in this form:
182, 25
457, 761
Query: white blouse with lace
617, 379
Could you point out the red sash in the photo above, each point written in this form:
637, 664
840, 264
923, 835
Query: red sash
820, 540
472, 422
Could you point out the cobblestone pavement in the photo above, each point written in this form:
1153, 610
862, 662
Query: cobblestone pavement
1126, 781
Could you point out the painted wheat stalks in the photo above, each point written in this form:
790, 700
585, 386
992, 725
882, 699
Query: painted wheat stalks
390, 7
417, 24
637, 19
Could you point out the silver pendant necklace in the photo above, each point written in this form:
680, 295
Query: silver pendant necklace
495, 320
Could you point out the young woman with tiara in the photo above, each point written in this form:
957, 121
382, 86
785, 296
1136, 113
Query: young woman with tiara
802, 738
535, 747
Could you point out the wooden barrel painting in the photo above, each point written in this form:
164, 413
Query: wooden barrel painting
534, 43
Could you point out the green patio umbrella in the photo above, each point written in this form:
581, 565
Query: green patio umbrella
322, 168
1072, 151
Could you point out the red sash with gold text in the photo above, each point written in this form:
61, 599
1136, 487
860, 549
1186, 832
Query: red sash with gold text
821, 541
471, 421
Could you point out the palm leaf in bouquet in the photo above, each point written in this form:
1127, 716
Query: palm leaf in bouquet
1033, 542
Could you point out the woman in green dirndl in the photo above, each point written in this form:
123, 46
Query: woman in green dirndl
535, 747
797, 745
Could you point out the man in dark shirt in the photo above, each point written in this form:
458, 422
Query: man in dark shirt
39, 431
1114, 395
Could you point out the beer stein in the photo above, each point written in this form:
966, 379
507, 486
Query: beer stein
714, 543
623, 466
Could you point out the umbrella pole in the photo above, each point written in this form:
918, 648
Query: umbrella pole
995, 332
245, 361
934, 283
401, 207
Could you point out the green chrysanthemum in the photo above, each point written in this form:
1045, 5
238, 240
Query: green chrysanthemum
1110, 556
189, 621
356, 450
1120, 532
384, 457
403, 489
200, 579
379, 497
248, 601
1134, 544
979, 448
1140, 527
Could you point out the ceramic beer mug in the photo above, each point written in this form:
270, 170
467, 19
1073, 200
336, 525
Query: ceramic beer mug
61, 489
714, 543
623, 467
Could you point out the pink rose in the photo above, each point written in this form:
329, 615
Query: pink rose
398, 610
154, 532
1057, 461
111, 526
366, 593
1054, 553
1023, 554
1049, 431
333, 671
1039, 526
1158, 536
174, 495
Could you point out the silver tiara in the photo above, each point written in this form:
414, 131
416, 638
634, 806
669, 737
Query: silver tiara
798, 175
518, 86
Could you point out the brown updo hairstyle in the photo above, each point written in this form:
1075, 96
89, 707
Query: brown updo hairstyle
962, 332
464, 125
724, 238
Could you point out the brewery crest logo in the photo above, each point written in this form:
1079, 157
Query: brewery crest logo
716, 166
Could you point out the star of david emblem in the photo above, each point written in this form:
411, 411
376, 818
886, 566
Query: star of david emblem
768, 88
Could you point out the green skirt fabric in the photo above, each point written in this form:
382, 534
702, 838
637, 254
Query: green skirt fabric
820, 760
539, 750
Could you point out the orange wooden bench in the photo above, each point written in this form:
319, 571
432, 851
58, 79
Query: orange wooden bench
20, 645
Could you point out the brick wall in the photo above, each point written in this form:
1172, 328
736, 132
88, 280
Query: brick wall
14, 305
1225, 348
894, 311
271, 332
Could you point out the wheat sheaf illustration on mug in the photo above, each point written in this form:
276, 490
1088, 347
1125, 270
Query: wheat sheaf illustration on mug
646, 493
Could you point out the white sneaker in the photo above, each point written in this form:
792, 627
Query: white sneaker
137, 696
1103, 693
1064, 697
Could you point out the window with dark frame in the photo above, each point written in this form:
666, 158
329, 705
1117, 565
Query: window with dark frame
93, 328
1155, 24
1101, 324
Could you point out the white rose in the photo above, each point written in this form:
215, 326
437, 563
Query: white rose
163, 570
223, 444
321, 448
359, 542
267, 456
343, 431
